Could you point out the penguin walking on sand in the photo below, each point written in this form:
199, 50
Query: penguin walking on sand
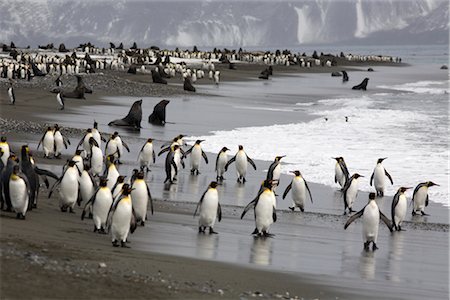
68, 187
5, 148
60, 141
371, 215
115, 146
85, 142
97, 135
140, 197
146, 156
95, 158
48, 142
197, 153
111, 171
398, 208
100, 203
264, 209
121, 218
420, 197
4, 182
28, 168
171, 165
350, 192
12, 96
299, 187
274, 171
60, 99
241, 159
378, 177
19, 192
341, 173
117, 188
88, 185
209, 209
221, 161
78, 160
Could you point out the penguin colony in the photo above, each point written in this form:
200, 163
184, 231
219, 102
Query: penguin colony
117, 203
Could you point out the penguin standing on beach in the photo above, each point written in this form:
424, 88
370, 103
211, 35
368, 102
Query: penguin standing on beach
5, 148
27, 167
96, 157
117, 188
68, 187
420, 197
12, 96
398, 208
146, 155
299, 187
241, 159
171, 165
140, 196
341, 173
274, 171
97, 135
264, 209
378, 177
4, 182
60, 141
221, 161
101, 203
60, 100
196, 152
111, 171
19, 192
85, 142
371, 219
88, 185
121, 218
78, 160
48, 142
350, 192
210, 209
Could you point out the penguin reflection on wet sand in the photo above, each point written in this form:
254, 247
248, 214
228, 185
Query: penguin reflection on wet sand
264, 209
371, 215
420, 197
209, 209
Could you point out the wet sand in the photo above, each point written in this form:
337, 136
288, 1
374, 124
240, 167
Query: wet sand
311, 255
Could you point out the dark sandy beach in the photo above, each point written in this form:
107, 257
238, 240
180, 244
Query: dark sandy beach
56, 255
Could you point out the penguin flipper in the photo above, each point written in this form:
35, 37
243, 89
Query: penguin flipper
230, 162
386, 221
205, 157
54, 185
426, 201
394, 204
43, 172
354, 217
371, 178
185, 154
274, 215
200, 202
81, 141
219, 212
163, 150
388, 176
126, 146
154, 156
247, 208
251, 162
286, 191
150, 198
133, 223
309, 191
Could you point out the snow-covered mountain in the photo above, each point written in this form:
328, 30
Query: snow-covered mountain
223, 23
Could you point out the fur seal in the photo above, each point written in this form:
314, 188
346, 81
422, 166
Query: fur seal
336, 74
78, 92
157, 78
187, 86
133, 119
345, 78
158, 117
362, 85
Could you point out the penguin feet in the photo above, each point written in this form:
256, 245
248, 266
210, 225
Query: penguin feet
124, 244
201, 229
71, 210
63, 209
142, 223
366, 246
211, 231
374, 246
34, 205
292, 208
423, 213
414, 213
102, 230
115, 243
95, 229
20, 216
266, 234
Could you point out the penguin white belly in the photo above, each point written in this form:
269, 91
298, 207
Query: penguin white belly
6, 152
101, 207
96, 136
86, 146
276, 173
146, 156
120, 224
59, 143
241, 164
371, 221
400, 210
117, 190
48, 143
113, 174
208, 210
339, 175
119, 147
298, 192
96, 161
264, 212
352, 193
196, 156
86, 187
420, 198
221, 162
69, 188
78, 162
18, 195
139, 198
177, 160
378, 179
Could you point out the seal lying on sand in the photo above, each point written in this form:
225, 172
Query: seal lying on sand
158, 117
133, 119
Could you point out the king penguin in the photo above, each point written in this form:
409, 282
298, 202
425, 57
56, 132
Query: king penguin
48, 142
117, 188
420, 197
68, 187
171, 165
88, 185
140, 196
197, 153
350, 192
398, 208
19, 192
210, 209
146, 155
101, 203
299, 187
12, 96
60, 99
241, 159
274, 171
97, 135
85, 141
4, 182
341, 173
60, 141
264, 209
95, 157
111, 171
29, 170
371, 219
6, 150
122, 218
221, 161
378, 177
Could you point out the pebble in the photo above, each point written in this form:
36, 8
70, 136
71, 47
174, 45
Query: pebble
101, 265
